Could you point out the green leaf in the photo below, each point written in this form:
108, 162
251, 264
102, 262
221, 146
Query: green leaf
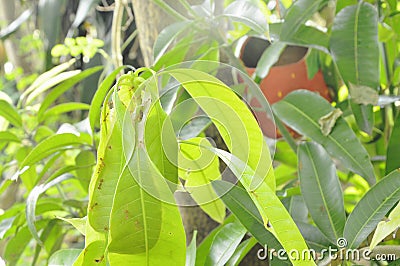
63, 87
249, 14
386, 227
199, 167
191, 251
241, 251
354, 44
64, 108
8, 111
302, 109
327, 122
14, 26
84, 162
225, 243
242, 206
51, 145
233, 119
298, 13
8, 137
167, 36
78, 223
371, 209
31, 202
313, 236
392, 154
269, 58
64, 257
269, 206
93, 254
45, 77
321, 190
98, 98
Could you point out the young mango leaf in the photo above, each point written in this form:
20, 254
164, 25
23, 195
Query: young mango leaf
64, 257
167, 36
249, 14
233, 119
269, 206
298, 13
242, 206
371, 209
78, 223
98, 98
269, 58
392, 157
241, 251
51, 145
93, 254
8, 137
64, 108
225, 243
50, 83
199, 167
45, 77
386, 227
321, 190
63, 87
191, 251
8, 111
302, 109
32, 200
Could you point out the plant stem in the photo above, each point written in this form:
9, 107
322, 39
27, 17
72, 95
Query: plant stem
116, 52
186, 5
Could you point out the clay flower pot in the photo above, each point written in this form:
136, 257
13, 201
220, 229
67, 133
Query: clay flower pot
287, 75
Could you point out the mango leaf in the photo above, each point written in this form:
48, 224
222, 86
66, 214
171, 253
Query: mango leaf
93, 254
327, 122
78, 223
32, 200
8, 111
199, 167
313, 236
45, 77
64, 257
298, 13
191, 251
63, 87
386, 227
302, 109
249, 14
51, 145
241, 251
234, 121
225, 243
364, 116
50, 83
271, 209
64, 108
321, 190
98, 98
242, 206
392, 160
167, 36
371, 209
354, 44
8, 137
269, 58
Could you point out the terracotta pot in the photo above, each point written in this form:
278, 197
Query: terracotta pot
287, 75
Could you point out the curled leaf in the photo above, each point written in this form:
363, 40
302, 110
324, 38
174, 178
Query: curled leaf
363, 94
328, 121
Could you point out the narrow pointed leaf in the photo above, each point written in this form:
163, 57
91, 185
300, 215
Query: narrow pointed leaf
302, 109
371, 209
8, 137
191, 251
298, 13
64, 257
9, 112
225, 243
321, 190
269, 58
64, 108
249, 14
392, 154
386, 227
